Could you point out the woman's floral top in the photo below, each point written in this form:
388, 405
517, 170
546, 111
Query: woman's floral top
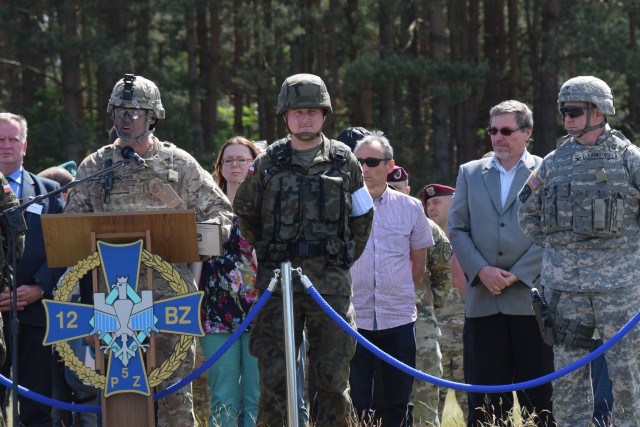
227, 282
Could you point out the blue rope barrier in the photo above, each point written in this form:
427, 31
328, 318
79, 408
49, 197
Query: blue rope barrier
72, 407
360, 339
228, 343
460, 386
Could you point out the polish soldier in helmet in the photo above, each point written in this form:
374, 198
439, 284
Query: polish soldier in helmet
304, 201
169, 178
582, 206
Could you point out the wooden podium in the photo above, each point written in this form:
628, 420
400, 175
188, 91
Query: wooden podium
171, 234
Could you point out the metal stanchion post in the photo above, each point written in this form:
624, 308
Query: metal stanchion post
289, 344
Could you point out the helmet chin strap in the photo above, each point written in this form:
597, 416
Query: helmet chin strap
306, 136
587, 127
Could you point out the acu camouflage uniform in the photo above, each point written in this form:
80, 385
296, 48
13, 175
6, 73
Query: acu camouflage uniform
302, 212
582, 206
451, 320
131, 192
430, 293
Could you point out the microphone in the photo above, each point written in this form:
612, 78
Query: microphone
130, 154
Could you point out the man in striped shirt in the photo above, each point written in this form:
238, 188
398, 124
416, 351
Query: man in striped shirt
384, 280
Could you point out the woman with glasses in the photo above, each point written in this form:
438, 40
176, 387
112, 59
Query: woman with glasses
229, 295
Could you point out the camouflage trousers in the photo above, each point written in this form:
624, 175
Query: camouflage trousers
451, 320
428, 360
330, 351
175, 410
608, 311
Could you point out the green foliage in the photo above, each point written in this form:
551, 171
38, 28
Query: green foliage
50, 132
262, 42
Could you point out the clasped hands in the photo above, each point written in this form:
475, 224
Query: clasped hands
496, 279
26, 295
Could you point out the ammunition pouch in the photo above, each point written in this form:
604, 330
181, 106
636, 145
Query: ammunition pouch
556, 330
575, 334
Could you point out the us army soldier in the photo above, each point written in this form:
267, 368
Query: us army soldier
171, 179
582, 206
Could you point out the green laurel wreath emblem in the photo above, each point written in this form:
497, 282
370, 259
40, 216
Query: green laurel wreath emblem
177, 284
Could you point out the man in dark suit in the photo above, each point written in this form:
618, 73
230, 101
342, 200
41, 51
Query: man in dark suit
35, 280
502, 343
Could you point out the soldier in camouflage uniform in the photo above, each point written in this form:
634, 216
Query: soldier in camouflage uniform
171, 179
430, 295
582, 206
304, 200
436, 199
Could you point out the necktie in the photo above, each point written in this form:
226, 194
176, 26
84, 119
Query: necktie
14, 186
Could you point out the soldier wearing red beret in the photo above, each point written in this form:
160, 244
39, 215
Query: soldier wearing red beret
436, 199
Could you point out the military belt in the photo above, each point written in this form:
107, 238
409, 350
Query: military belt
306, 249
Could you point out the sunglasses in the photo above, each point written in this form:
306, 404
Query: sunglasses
572, 111
372, 162
503, 131
132, 114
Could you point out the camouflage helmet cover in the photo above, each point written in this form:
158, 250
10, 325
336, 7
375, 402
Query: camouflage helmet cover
145, 95
303, 91
588, 89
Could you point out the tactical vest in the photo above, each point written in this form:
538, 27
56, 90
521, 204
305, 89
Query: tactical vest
130, 189
588, 194
305, 213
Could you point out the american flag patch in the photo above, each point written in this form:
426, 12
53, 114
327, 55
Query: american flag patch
533, 182
251, 170
7, 188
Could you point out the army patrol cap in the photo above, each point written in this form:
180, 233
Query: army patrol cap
436, 190
303, 91
136, 92
588, 89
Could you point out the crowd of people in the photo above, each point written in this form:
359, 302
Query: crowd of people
441, 282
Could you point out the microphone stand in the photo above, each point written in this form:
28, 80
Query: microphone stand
15, 220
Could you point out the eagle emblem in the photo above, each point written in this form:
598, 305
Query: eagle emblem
123, 320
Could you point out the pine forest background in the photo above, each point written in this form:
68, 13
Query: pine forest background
425, 72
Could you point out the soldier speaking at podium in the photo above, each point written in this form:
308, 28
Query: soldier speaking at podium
163, 177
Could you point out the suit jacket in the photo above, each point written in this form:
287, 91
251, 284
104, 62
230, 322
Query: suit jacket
482, 233
33, 268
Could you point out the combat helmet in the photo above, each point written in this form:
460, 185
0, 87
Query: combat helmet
303, 91
588, 89
136, 92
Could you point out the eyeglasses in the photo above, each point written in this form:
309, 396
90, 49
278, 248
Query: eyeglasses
122, 113
372, 162
504, 131
572, 111
241, 161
